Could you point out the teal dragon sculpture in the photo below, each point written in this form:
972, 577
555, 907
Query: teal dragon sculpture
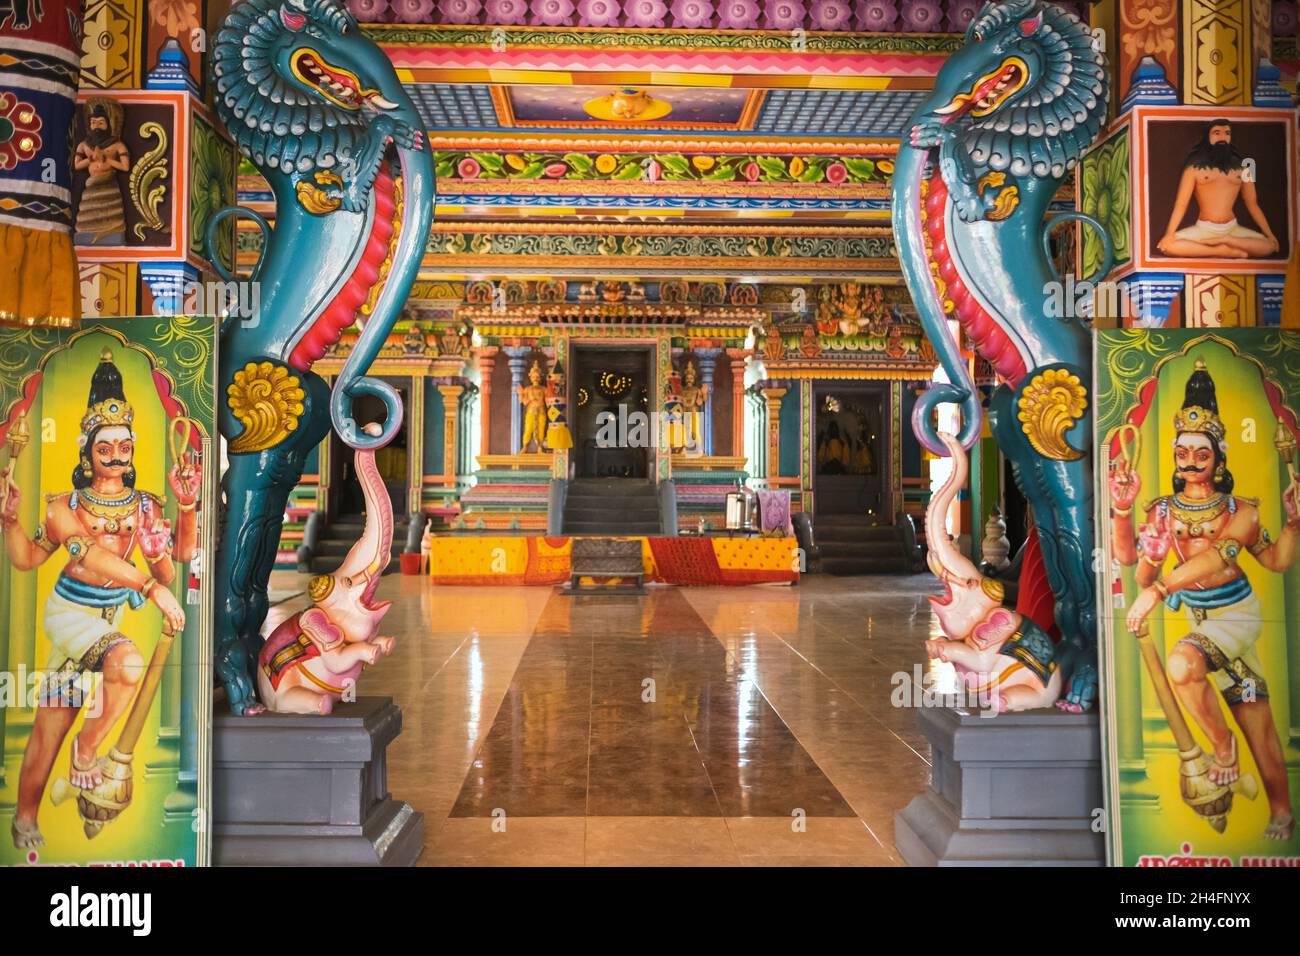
318, 108
1011, 114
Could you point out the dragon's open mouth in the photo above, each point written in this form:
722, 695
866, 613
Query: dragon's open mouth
990, 91
339, 86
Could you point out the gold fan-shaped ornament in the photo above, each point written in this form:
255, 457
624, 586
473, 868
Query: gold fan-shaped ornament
1049, 407
267, 400
314, 198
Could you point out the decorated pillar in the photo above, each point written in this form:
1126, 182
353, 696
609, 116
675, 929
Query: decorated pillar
739, 359
517, 359
560, 456
465, 451
1190, 77
707, 360
772, 402
415, 447
486, 359
451, 413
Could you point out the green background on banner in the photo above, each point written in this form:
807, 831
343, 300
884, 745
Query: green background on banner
164, 362
1147, 816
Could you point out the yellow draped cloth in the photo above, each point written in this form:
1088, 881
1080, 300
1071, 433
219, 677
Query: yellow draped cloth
38, 277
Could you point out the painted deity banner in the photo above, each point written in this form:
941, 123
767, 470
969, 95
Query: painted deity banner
108, 474
1199, 513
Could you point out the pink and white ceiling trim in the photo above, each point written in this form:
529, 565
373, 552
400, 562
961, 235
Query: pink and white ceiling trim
873, 16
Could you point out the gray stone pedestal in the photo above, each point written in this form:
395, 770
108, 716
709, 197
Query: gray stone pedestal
291, 790
1013, 790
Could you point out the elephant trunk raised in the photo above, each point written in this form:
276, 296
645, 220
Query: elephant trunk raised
1001, 655
313, 659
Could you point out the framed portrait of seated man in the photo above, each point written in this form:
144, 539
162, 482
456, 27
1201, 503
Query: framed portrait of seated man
1212, 187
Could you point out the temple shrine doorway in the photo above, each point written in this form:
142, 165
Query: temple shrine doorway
850, 451
346, 497
610, 394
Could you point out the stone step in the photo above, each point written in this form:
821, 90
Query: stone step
847, 517
859, 549
842, 566
825, 531
338, 547
620, 484
605, 528
613, 507
614, 494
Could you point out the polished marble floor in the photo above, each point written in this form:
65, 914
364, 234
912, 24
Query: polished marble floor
689, 726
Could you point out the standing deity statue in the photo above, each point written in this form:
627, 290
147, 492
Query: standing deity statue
693, 398
533, 398
1205, 528
558, 436
100, 523
673, 413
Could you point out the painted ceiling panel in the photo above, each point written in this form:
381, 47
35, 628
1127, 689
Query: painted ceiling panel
850, 113
837, 112
444, 107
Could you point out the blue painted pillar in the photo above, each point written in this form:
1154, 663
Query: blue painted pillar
708, 359
517, 359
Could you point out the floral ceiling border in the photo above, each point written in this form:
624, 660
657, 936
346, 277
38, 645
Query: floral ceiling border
673, 244
469, 166
625, 143
636, 247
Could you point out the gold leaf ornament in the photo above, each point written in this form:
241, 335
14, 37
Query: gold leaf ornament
315, 199
1007, 199
1054, 401
147, 189
267, 400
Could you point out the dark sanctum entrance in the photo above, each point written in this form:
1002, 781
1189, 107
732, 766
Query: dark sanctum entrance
609, 395
391, 460
850, 455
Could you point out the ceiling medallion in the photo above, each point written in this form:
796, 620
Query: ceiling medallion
627, 104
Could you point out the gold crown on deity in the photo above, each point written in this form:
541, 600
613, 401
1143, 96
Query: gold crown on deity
1194, 418
111, 411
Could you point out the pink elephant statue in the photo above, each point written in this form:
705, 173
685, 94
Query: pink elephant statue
1001, 655
313, 658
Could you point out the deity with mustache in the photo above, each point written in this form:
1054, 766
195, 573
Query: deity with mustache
1213, 173
1205, 528
100, 524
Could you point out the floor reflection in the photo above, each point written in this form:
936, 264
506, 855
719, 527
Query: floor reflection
744, 726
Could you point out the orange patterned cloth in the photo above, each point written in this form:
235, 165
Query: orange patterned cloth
486, 560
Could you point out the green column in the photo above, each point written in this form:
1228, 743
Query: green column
24, 611
1134, 693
